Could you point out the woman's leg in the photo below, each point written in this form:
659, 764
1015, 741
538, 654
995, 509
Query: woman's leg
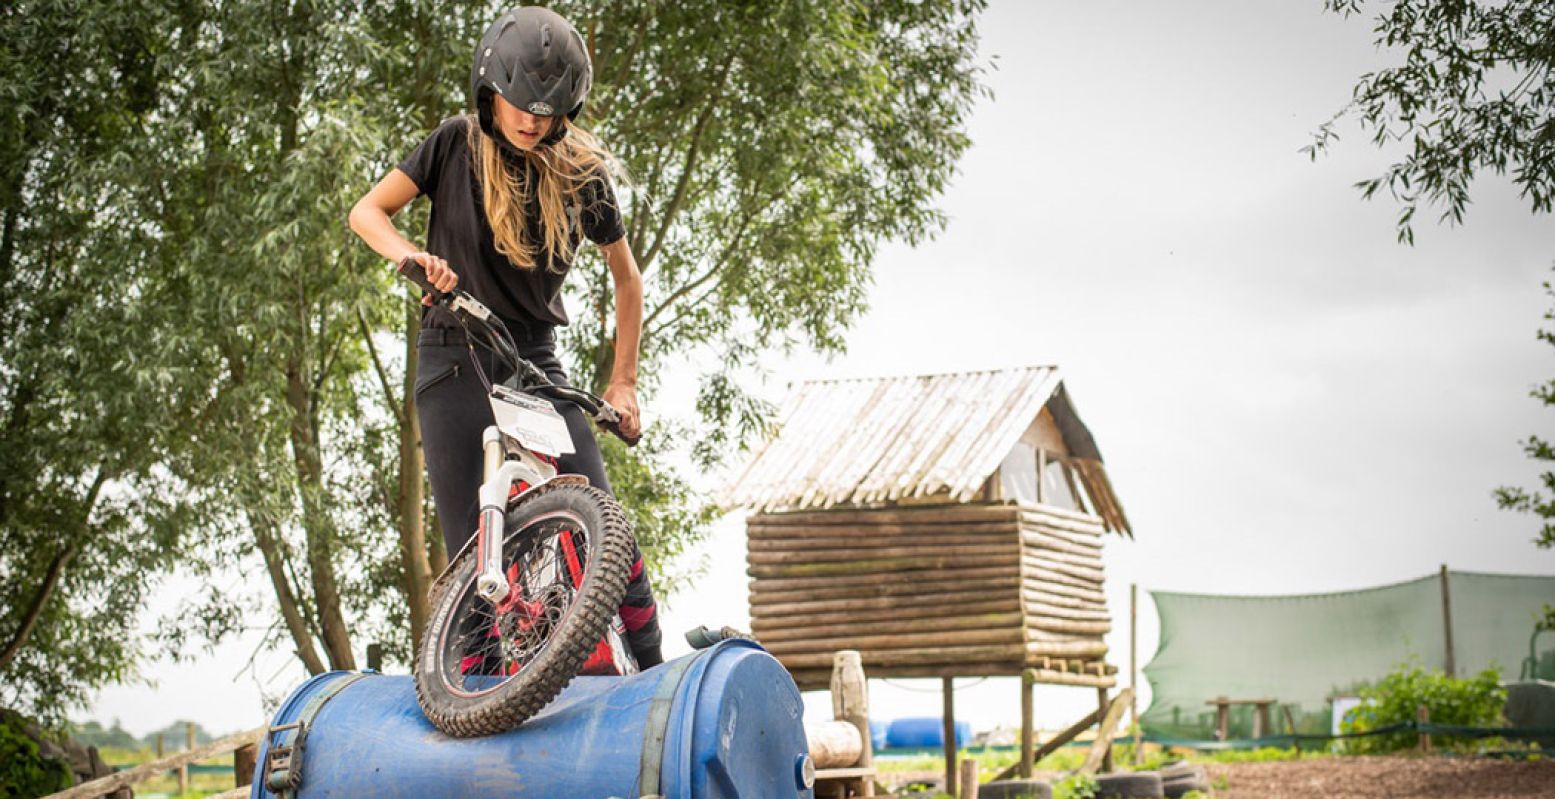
453, 409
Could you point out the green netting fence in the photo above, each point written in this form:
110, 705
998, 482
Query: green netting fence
1303, 651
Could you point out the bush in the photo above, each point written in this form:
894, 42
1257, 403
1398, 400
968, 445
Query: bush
1470, 702
24, 772
1075, 786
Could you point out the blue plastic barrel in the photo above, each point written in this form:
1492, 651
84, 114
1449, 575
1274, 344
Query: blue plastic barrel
877, 734
923, 732
722, 722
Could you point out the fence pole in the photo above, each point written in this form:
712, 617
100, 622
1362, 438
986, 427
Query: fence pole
1448, 666
1423, 715
1133, 670
183, 771
947, 684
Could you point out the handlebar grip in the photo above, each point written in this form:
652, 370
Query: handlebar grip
412, 270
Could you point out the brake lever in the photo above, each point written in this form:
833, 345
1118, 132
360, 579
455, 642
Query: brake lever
609, 419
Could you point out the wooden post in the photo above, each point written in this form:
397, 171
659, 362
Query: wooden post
1222, 718
968, 779
375, 657
243, 761
850, 703
1448, 665
1133, 670
947, 685
1260, 719
1027, 733
159, 746
1423, 715
1099, 756
1101, 707
183, 770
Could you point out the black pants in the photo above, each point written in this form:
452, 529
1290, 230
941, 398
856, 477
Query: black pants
454, 411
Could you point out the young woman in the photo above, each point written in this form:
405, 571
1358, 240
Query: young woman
513, 188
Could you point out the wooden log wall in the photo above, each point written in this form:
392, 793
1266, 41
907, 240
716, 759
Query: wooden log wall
943, 590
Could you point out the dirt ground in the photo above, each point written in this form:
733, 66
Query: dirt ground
1385, 778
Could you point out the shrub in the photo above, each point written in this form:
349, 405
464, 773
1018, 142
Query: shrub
1471, 702
1076, 786
23, 771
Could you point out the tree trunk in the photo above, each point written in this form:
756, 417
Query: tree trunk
51, 578
412, 500
270, 547
316, 522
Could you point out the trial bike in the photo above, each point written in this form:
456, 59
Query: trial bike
531, 600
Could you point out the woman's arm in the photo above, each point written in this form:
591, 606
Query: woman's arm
370, 219
622, 391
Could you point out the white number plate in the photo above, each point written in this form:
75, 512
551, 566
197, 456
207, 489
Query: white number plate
532, 421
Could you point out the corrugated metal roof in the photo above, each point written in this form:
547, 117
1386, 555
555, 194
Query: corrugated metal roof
883, 440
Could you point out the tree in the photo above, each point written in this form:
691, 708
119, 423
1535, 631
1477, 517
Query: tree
87, 523
774, 144
1539, 502
1474, 91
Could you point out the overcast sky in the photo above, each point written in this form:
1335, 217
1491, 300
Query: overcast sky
1287, 400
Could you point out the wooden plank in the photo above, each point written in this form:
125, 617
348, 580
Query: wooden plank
145, 771
863, 621
1090, 562
813, 678
1007, 583
933, 656
882, 566
933, 514
819, 533
937, 624
1058, 600
1035, 582
867, 537
1055, 650
1036, 537
797, 583
873, 554
884, 644
1076, 575
1102, 746
1040, 610
960, 600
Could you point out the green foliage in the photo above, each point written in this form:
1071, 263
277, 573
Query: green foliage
1472, 702
1473, 89
1076, 786
24, 772
1540, 502
92, 733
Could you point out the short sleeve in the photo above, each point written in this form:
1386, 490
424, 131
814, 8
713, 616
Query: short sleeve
601, 216
425, 164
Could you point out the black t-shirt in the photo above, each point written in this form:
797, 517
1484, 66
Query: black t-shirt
459, 234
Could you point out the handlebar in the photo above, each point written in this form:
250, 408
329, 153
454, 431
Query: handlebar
494, 336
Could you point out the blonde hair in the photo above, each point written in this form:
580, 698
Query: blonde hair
561, 169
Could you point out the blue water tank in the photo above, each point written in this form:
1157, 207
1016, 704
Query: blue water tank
923, 732
722, 722
877, 734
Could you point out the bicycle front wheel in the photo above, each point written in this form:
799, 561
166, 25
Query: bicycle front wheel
484, 668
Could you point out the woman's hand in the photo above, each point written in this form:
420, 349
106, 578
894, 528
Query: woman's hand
439, 274
623, 397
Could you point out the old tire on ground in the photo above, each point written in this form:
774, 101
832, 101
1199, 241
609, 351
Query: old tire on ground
1138, 785
1015, 789
1179, 770
1178, 788
604, 546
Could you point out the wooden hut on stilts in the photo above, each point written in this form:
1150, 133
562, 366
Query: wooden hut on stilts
942, 525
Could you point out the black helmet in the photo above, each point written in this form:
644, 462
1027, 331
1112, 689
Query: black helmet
537, 61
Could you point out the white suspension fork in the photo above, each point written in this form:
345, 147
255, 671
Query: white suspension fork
499, 476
